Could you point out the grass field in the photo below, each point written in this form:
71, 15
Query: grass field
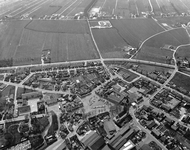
67, 40
151, 50
181, 80
183, 52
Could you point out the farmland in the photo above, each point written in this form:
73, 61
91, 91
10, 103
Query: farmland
112, 41
173, 37
136, 31
154, 54
180, 80
125, 8
109, 42
67, 40
152, 49
183, 52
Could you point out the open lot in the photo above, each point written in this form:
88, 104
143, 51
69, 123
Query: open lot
67, 40
181, 80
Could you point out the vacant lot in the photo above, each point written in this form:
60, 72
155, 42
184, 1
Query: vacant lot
135, 31
67, 40
183, 52
181, 80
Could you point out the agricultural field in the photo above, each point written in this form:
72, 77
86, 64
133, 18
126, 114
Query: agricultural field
153, 50
173, 37
183, 52
154, 55
135, 31
180, 80
143, 6
152, 68
112, 41
125, 8
59, 26
66, 40
109, 42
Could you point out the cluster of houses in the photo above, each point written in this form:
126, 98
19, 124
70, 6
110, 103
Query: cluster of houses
179, 88
161, 127
165, 100
159, 76
118, 91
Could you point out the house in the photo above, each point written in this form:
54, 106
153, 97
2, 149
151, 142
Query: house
166, 108
156, 133
115, 97
109, 127
169, 121
174, 127
93, 141
163, 139
151, 124
106, 147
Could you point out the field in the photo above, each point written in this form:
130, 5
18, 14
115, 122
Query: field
154, 54
111, 42
181, 80
125, 8
66, 40
135, 31
152, 68
152, 48
183, 52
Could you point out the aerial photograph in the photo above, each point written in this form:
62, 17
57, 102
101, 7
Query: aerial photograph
94, 74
